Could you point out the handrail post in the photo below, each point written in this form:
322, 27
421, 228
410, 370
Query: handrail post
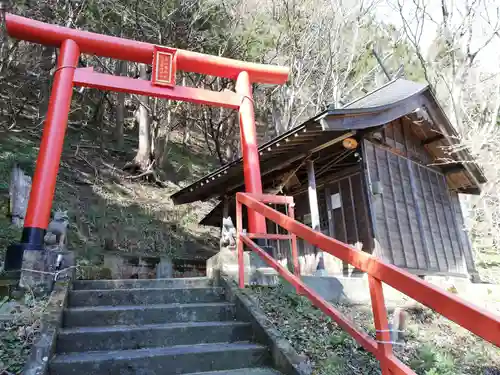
239, 244
381, 324
295, 255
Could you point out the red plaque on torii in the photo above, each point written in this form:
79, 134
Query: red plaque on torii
164, 66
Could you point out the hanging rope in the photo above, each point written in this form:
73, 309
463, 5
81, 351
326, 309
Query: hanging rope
56, 274
64, 67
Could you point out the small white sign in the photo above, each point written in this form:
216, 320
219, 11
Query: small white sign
336, 201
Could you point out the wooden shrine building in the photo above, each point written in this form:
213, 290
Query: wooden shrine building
380, 174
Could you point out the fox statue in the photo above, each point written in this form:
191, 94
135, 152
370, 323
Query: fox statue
228, 235
57, 230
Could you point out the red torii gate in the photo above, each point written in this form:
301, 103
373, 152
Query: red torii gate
165, 61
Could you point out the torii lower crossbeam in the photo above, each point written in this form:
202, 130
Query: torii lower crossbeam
74, 42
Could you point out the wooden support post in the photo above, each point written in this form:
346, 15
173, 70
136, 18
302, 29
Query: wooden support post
313, 197
313, 207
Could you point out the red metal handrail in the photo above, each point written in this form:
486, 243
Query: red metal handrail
472, 318
274, 199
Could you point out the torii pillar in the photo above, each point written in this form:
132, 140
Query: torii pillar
72, 43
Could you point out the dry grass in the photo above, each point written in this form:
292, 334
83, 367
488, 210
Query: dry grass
432, 344
18, 334
113, 212
488, 265
108, 210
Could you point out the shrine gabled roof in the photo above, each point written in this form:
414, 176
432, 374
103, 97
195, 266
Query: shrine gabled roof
387, 103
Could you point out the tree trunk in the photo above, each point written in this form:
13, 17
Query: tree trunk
99, 118
186, 135
277, 120
162, 137
143, 157
121, 69
229, 152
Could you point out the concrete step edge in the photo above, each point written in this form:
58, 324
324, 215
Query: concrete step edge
137, 354
161, 326
83, 291
143, 307
241, 371
119, 283
140, 280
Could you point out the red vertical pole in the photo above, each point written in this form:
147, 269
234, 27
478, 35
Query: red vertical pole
295, 254
47, 165
239, 244
381, 324
249, 147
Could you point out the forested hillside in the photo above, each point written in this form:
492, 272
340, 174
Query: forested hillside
125, 154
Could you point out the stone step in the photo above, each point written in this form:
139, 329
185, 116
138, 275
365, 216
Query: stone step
186, 282
150, 296
150, 335
182, 359
241, 371
153, 314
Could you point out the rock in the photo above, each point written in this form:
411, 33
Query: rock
19, 191
8, 309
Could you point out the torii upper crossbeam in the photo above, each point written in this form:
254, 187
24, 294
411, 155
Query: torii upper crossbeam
72, 43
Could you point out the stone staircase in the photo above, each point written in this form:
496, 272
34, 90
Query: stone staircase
163, 326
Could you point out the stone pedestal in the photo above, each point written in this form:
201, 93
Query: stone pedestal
39, 268
256, 270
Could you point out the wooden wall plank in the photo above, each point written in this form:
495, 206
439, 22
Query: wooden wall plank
338, 223
443, 225
323, 210
447, 235
394, 221
419, 215
353, 207
343, 206
427, 221
435, 224
383, 237
410, 218
305, 250
331, 227
347, 211
413, 211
